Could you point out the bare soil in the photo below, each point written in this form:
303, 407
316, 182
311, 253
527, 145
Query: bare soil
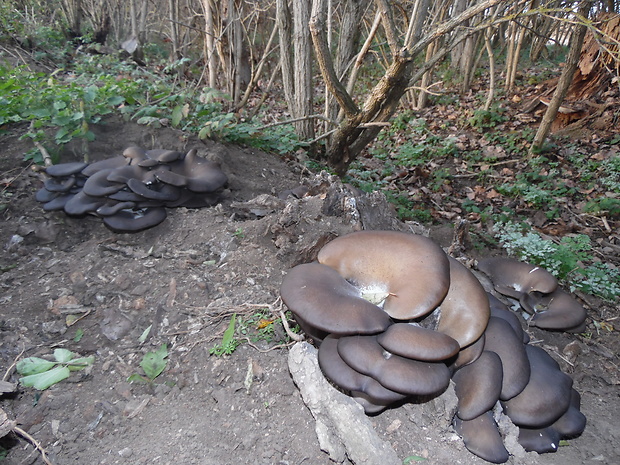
185, 278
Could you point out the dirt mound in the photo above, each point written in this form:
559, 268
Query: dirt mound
185, 279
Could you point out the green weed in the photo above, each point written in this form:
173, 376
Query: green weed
41, 373
570, 260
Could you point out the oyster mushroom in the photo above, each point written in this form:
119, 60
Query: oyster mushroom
517, 279
418, 343
478, 385
368, 391
465, 309
365, 355
135, 220
501, 339
326, 301
559, 311
411, 271
481, 437
547, 395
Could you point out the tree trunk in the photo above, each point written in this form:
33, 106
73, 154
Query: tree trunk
302, 75
360, 126
285, 30
566, 78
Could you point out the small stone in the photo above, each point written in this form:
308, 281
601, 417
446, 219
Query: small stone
126, 452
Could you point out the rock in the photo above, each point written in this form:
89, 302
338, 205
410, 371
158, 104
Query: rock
341, 425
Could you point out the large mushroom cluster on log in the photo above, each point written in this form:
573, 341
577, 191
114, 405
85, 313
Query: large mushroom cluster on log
396, 319
131, 192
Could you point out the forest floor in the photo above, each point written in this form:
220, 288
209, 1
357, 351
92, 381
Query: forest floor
185, 279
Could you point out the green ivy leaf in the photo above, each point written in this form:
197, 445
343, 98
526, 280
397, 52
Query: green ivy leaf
177, 115
154, 363
42, 381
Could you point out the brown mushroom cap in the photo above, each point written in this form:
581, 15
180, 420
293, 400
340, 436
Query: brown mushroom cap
514, 278
469, 354
58, 202
558, 311
97, 185
482, 438
541, 440
376, 397
478, 385
545, 398
412, 270
573, 422
106, 164
59, 184
81, 204
65, 169
202, 175
499, 310
133, 221
417, 343
465, 309
400, 374
326, 301
501, 339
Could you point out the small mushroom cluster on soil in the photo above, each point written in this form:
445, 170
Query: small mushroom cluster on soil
131, 192
396, 319
538, 293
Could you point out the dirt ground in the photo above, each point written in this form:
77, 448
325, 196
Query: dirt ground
185, 278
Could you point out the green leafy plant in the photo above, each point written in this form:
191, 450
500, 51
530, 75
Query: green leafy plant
41, 373
570, 260
229, 342
153, 364
484, 119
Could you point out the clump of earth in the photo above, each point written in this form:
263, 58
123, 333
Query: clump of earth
64, 277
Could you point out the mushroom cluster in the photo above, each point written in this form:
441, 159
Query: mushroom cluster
395, 318
131, 192
538, 293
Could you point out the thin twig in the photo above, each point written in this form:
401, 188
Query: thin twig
7, 373
34, 442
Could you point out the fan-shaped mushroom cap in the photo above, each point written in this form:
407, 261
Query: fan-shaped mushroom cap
125, 173
412, 270
172, 177
65, 169
465, 309
163, 155
499, 310
417, 343
481, 437
135, 220
113, 207
478, 385
106, 164
161, 192
57, 203
469, 354
43, 195
81, 203
134, 154
336, 370
202, 175
501, 339
97, 185
59, 184
539, 440
400, 374
325, 300
559, 311
514, 278
573, 422
547, 395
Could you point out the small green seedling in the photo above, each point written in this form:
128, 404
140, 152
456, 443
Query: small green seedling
413, 458
153, 364
229, 343
41, 373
